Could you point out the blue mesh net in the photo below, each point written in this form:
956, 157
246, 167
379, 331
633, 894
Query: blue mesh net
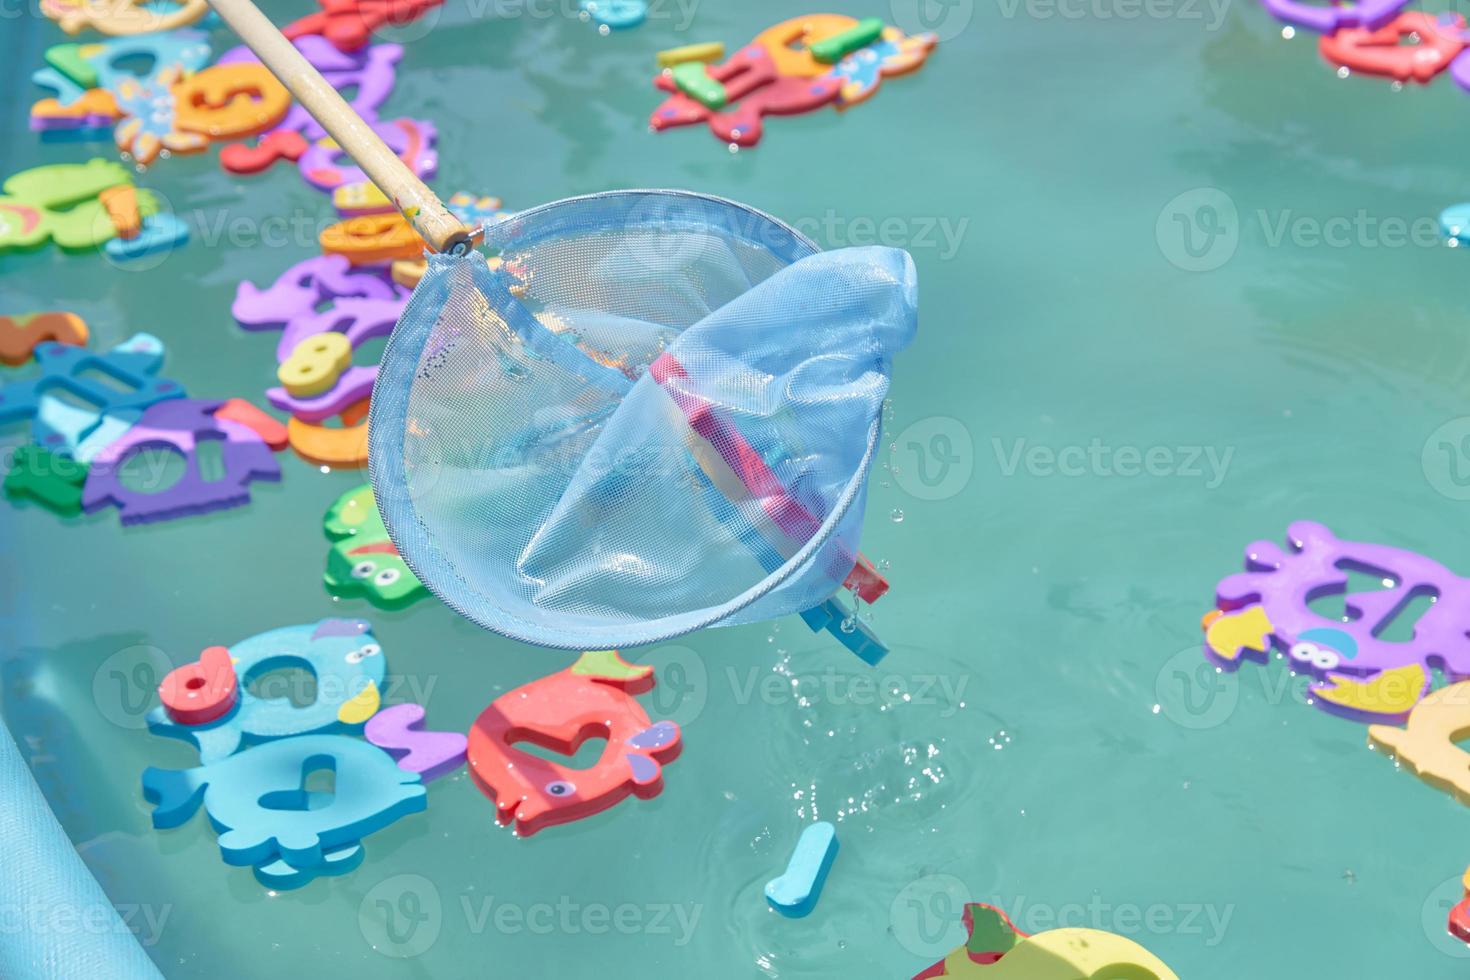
653, 412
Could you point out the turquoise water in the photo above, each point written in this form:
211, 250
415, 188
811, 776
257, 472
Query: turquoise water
1042, 606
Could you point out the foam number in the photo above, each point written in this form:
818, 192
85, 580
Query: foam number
1360, 674
341, 654
1427, 746
123, 17
180, 425
20, 334
371, 239
363, 559
266, 818
230, 101
131, 366
344, 446
795, 893
315, 364
593, 697
399, 731
200, 692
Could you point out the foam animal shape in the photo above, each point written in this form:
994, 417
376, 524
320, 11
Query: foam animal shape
745, 71
325, 167
60, 202
363, 558
368, 75
109, 71
122, 17
1427, 745
51, 480
116, 60
132, 363
180, 425
1371, 14
593, 697
996, 950
149, 121
1413, 46
257, 802
894, 54
348, 24
301, 289
1459, 923
741, 123
789, 42
20, 334
343, 656
1366, 677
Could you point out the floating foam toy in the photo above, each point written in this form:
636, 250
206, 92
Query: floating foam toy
996, 950
123, 17
342, 446
1360, 675
1414, 46
349, 24
833, 48
894, 54
132, 365
795, 893
1454, 221
789, 43
615, 15
50, 479
1459, 921
301, 289
162, 232
256, 800
180, 425
200, 692
363, 559
1427, 746
325, 167
19, 334
282, 876
60, 202
1370, 14
315, 364
184, 114
271, 432
761, 92
592, 698
708, 51
343, 656
372, 239
399, 731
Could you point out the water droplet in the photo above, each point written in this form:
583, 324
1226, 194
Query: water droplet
848, 625
1288, 33
896, 515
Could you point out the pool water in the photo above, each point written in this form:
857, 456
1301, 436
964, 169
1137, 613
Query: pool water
1177, 291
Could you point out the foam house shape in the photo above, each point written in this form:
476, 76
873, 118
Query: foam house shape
676, 436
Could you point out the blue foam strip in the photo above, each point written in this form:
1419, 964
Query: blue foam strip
795, 893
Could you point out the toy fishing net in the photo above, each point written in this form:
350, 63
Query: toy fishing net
651, 413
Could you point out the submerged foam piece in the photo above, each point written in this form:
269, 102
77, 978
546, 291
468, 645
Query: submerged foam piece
342, 655
1360, 675
1427, 746
257, 802
132, 363
363, 559
281, 876
559, 712
180, 425
49, 479
19, 334
795, 893
1414, 46
399, 731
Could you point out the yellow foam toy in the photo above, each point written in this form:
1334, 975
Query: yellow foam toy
1390, 692
1427, 746
1229, 633
1065, 954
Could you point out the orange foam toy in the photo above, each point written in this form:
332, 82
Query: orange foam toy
371, 239
789, 42
345, 447
20, 334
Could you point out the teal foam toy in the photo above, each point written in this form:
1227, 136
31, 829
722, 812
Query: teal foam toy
795, 893
257, 802
341, 654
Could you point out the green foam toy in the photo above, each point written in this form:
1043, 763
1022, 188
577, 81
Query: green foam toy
71, 62
830, 50
60, 202
51, 480
694, 81
363, 560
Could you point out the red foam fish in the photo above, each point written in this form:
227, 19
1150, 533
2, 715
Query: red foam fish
593, 698
754, 90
